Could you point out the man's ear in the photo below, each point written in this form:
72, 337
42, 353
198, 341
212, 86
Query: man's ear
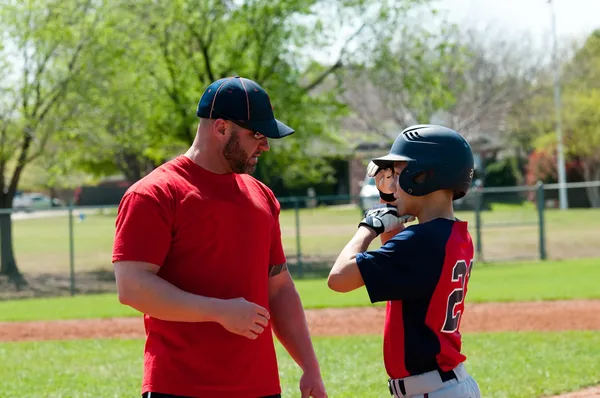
220, 127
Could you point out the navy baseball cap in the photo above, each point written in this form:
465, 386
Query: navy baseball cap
243, 102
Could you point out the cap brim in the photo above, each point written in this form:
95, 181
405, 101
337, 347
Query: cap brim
271, 128
381, 161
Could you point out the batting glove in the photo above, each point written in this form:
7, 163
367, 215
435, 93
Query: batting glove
384, 218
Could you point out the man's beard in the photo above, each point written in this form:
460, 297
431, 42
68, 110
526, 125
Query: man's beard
238, 159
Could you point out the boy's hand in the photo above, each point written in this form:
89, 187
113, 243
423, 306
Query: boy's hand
384, 218
382, 181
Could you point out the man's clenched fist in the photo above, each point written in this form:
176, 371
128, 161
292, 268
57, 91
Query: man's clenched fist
384, 218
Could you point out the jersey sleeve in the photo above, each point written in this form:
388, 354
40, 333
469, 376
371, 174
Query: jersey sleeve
143, 230
277, 254
403, 268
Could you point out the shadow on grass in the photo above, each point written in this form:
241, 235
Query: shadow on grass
310, 268
59, 284
103, 281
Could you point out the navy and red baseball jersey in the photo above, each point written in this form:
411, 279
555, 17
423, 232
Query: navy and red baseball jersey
422, 273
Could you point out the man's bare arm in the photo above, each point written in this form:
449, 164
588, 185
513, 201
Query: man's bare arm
288, 319
139, 287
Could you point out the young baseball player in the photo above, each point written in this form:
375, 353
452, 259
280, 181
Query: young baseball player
422, 270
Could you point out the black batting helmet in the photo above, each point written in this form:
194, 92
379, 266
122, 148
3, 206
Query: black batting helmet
438, 158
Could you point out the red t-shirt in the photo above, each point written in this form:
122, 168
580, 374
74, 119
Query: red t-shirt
213, 235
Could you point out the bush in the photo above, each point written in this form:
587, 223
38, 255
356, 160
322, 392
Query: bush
502, 173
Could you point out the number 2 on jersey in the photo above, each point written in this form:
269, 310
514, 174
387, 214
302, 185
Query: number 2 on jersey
460, 272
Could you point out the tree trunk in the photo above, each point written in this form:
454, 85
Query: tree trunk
8, 264
589, 175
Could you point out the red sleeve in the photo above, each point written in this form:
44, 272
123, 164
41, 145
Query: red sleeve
277, 255
143, 230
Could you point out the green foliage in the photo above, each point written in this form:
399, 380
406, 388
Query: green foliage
580, 110
141, 94
416, 72
502, 173
45, 41
583, 124
129, 75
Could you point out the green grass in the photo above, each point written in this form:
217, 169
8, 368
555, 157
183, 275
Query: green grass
42, 245
572, 233
575, 279
551, 280
504, 364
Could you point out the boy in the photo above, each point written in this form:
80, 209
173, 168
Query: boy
421, 270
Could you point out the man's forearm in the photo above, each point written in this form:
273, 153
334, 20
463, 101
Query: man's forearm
290, 327
152, 295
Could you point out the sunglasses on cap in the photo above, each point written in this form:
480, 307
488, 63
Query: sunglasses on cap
241, 124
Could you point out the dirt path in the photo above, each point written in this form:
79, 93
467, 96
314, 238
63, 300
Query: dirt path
491, 317
593, 392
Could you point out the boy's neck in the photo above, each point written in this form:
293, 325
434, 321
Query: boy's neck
429, 213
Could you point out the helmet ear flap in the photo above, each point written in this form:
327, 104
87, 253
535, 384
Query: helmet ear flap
417, 181
421, 177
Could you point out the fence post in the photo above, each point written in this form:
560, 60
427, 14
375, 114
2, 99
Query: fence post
71, 249
298, 248
542, 226
478, 206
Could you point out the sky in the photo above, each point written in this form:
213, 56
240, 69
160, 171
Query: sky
575, 19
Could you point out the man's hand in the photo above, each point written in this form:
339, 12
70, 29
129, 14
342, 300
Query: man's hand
242, 317
311, 385
384, 218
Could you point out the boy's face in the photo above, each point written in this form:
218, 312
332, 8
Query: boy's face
405, 203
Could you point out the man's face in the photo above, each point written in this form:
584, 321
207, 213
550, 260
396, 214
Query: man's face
243, 149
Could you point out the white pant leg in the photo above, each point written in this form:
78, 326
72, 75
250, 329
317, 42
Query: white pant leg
466, 388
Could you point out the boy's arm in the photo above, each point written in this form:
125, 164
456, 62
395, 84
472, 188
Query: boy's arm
345, 275
384, 237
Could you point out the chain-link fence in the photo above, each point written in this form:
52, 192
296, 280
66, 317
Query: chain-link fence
68, 250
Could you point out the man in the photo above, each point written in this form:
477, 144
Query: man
198, 250
422, 270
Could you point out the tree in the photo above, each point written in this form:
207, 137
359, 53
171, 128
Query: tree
175, 49
582, 123
194, 43
466, 79
44, 41
414, 73
581, 112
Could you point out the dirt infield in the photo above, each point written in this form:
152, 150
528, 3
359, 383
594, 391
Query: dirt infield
593, 392
489, 317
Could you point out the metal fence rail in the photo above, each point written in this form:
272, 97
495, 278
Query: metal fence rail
69, 249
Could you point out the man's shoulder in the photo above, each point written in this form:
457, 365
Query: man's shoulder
160, 183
